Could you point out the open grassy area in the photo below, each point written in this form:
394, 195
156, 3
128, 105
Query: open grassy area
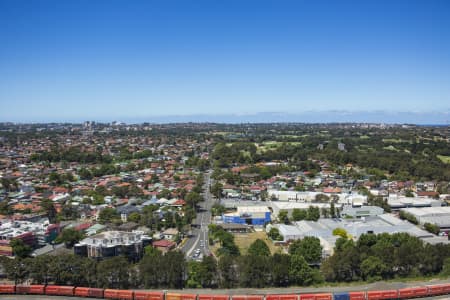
391, 148
395, 141
444, 159
271, 145
244, 240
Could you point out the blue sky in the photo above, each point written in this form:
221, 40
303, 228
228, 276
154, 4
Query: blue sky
106, 60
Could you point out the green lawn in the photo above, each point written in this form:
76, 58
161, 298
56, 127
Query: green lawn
244, 240
444, 159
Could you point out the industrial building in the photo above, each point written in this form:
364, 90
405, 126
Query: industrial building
361, 211
114, 243
439, 216
404, 202
277, 206
323, 229
250, 215
308, 197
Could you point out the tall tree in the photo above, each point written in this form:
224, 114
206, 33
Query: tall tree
300, 272
309, 247
228, 273
259, 248
113, 273
69, 236
20, 249
49, 209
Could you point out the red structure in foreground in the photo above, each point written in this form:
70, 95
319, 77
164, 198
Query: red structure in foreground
57, 290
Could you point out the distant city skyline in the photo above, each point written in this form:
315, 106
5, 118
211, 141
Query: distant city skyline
227, 61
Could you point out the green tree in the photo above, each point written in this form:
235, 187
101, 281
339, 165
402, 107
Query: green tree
39, 269
340, 232
259, 247
113, 273
107, 215
279, 266
174, 270
16, 269
228, 273
373, 268
218, 209
217, 189
69, 236
332, 210
208, 275
20, 249
193, 198
194, 275
5, 208
49, 209
309, 247
253, 271
313, 213
433, 228
299, 214
274, 234
446, 267
150, 266
134, 217
300, 272
283, 216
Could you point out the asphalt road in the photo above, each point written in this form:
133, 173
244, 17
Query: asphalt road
199, 237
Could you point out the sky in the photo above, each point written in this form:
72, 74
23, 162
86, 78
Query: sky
125, 60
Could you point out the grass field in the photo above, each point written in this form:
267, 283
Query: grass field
444, 159
271, 145
395, 141
391, 148
244, 240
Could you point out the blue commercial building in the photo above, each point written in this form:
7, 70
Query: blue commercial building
250, 215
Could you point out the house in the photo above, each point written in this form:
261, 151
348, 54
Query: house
170, 234
164, 245
126, 210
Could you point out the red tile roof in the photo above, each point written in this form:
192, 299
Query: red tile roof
163, 243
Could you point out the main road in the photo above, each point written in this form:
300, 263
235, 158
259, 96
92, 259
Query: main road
199, 236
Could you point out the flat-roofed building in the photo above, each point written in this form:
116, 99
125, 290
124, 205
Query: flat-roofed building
289, 206
250, 215
114, 243
361, 211
404, 202
439, 216
323, 229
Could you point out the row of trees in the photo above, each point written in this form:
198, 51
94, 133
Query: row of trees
312, 213
372, 257
383, 256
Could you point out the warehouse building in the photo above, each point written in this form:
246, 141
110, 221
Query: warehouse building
323, 229
361, 211
114, 243
290, 206
404, 202
308, 197
290, 232
250, 215
439, 216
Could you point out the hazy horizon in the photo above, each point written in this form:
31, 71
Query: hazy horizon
418, 118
